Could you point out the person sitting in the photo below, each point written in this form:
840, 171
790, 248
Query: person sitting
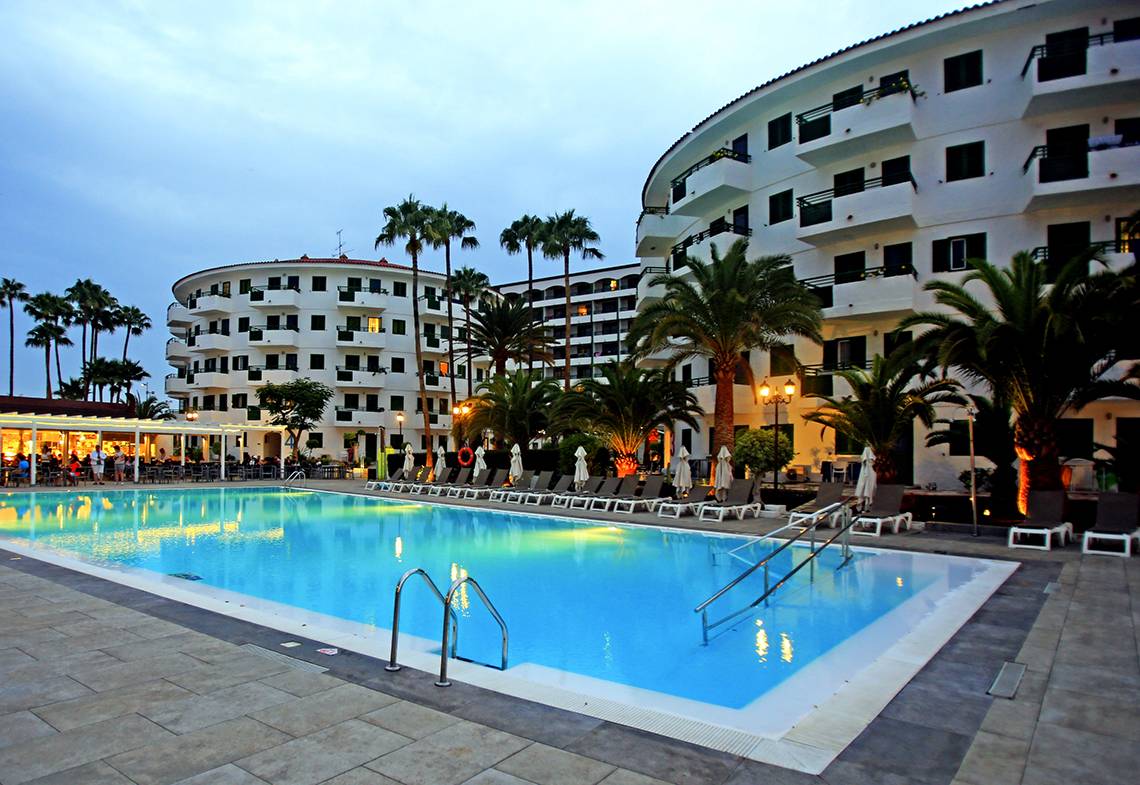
73, 470
23, 469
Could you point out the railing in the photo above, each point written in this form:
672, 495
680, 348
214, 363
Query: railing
652, 210
678, 183
712, 231
192, 302
1042, 252
815, 208
296, 477
257, 293
854, 276
392, 664
1067, 49
816, 123
769, 589
443, 655
654, 271
258, 333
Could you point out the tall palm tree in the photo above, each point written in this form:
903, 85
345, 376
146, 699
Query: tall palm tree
100, 374
408, 221
134, 322
12, 292
993, 440
1046, 344
150, 408
563, 234
504, 331
516, 405
74, 389
124, 375
48, 308
882, 407
624, 405
720, 310
43, 336
468, 284
81, 293
444, 226
524, 234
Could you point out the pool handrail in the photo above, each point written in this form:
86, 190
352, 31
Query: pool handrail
392, 664
443, 681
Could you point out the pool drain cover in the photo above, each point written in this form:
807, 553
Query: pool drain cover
1008, 680
186, 576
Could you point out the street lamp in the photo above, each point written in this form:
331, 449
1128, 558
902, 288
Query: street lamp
777, 399
400, 422
973, 477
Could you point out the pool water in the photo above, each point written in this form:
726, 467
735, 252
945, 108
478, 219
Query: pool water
604, 604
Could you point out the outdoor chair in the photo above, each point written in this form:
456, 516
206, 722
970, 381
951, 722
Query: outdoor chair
540, 496
539, 483
431, 481
689, 505
589, 487
884, 510
1117, 517
405, 485
623, 487
1045, 520
827, 505
443, 489
650, 493
524, 481
737, 502
477, 491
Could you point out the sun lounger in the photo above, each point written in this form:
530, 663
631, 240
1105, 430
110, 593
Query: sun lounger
460, 481
827, 505
737, 502
405, 485
524, 481
542, 482
621, 487
477, 491
589, 487
675, 508
1044, 521
1117, 517
650, 493
456, 490
539, 496
429, 483
384, 485
884, 511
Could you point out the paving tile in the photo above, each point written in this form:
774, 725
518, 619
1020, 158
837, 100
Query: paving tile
153, 628
179, 757
80, 644
89, 774
448, 757
545, 724
22, 636
1094, 679
1014, 718
549, 766
1116, 716
360, 776
647, 753
409, 719
109, 677
843, 772
750, 771
302, 683
904, 749
223, 775
324, 754
51, 754
140, 648
934, 706
20, 726
199, 711
994, 760
626, 777
39, 692
237, 669
496, 777
1063, 755
307, 715
99, 706
11, 658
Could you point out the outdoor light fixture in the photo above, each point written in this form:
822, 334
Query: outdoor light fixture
191, 416
767, 396
455, 411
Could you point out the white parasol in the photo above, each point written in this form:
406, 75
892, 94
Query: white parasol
440, 462
581, 471
516, 464
723, 473
865, 487
480, 464
409, 461
682, 475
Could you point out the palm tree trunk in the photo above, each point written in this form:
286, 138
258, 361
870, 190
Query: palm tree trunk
47, 368
724, 413
566, 286
58, 368
126, 341
470, 356
1035, 441
530, 295
450, 323
420, 355
11, 347
886, 469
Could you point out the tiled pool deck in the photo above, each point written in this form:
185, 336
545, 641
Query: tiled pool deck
102, 683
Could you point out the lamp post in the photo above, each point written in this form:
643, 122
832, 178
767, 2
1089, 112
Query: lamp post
400, 422
459, 413
973, 476
777, 399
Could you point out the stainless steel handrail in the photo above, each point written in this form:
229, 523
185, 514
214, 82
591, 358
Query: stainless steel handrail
297, 475
443, 682
392, 664
844, 531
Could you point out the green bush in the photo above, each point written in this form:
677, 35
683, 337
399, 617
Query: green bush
755, 448
597, 456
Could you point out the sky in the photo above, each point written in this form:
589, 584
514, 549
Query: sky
142, 141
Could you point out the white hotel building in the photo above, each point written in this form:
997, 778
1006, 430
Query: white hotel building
1004, 127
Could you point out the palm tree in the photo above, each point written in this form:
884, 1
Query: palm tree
43, 336
468, 284
12, 292
408, 221
503, 330
993, 440
882, 407
125, 373
624, 405
150, 408
81, 293
73, 389
444, 226
1046, 344
517, 406
721, 310
99, 374
524, 234
48, 308
134, 322
563, 234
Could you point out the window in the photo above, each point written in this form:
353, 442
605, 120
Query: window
397, 402
375, 285
852, 96
950, 255
400, 288
740, 218
399, 327
962, 71
965, 161
894, 340
1128, 128
740, 145
397, 365
889, 84
845, 353
849, 182
898, 259
244, 285
896, 170
291, 321
374, 325
782, 360
274, 283
687, 439
315, 440
239, 400
1126, 29
849, 267
320, 283
847, 446
243, 324
779, 131
316, 322
317, 362
780, 207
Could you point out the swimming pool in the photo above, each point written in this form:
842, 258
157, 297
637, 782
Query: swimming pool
604, 612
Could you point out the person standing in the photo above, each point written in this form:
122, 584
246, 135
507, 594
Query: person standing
120, 463
98, 463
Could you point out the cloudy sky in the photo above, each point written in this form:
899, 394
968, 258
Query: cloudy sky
141, 141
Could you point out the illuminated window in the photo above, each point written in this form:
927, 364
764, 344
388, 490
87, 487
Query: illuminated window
613, 284
583, 310
374, 324
444, 367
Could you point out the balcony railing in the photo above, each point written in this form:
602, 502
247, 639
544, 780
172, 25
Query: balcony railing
815, 208
257, 293
816, 123
1068, 57
712, 231
821, 285
258, 333
678, 182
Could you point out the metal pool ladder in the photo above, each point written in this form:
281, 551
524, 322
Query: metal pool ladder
844, 534
298, 475
450, 636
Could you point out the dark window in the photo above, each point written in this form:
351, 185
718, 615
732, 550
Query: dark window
1067, 156
959, 438
779, 131
740, 145
317, 322
315, 440
898, 259
291, 362
291, 322
1126, 29
397, 403
243, 324
849, 267
355, 284
272, 362
845, 445
1064, 242
273, 322
950, 254
687, 438
962, 71
1075, 437
1065, 54
845, 353
399, 327
849, 182
896, 170
352, 362
400, 288
964, 161
780, 207
397, 365
782, 360
320, 283
894, 340
375, 285
687, 373
740, 217
894, 83
244, 285
845, 98
1128, 128
274, 283
317, 362
239, 400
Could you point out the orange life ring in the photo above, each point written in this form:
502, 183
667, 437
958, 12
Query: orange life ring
466, 456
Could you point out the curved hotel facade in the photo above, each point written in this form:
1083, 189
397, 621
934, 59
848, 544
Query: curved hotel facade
1005, 127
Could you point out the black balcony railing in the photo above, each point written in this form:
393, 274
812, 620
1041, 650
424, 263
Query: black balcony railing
652, 210
432, 341
713, 230
192, 302
679, 182
257, 293
815, 208
816, 123
1064, 58
821, 285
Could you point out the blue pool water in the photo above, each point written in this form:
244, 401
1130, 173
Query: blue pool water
613, 603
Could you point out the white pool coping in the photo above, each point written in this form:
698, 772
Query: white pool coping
810, 745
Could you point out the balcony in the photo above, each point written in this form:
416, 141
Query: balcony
207, 304
178, 315
711, 181
353, 297
176, 351
1068, 177
877, 290
359, 418
646, 291
1116, 255
279, 336
360, 377
882, 116
880, 204
698, 246
819, 379
264, 297
211, 380
209, 343
657, 230
1081, 74
361, 338
259, 374
177, 385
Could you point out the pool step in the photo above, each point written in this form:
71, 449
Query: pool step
284, 659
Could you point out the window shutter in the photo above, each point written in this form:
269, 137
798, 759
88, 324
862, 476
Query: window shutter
976, 246
940, 256
859, 351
